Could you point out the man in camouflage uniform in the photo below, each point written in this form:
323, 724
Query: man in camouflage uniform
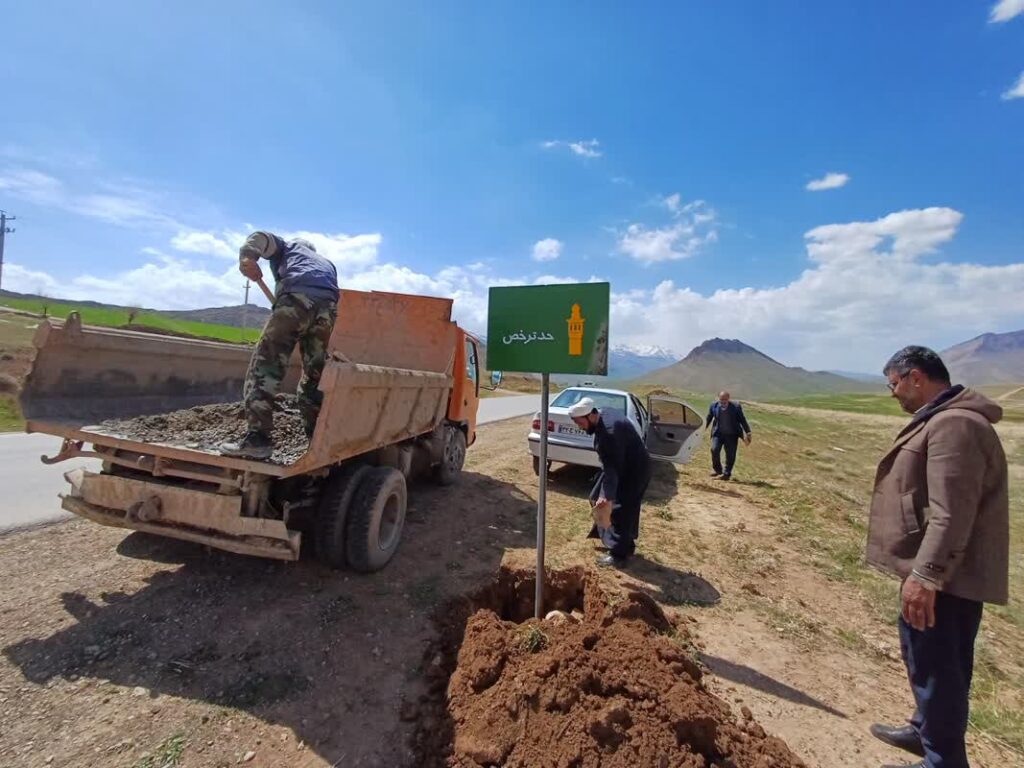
304, 312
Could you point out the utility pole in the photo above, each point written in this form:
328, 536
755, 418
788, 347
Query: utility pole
4, 230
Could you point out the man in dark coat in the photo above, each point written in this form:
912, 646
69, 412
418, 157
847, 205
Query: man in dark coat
626, 472
730, 425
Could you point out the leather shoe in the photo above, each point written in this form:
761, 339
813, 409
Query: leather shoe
902, 737
610, 561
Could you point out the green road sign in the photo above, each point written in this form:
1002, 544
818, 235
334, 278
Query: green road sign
549, 328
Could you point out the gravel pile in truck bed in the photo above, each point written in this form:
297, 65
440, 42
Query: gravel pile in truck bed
205, 427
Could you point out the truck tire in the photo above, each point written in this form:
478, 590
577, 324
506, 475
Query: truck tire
332, 515
452, 458
375, 519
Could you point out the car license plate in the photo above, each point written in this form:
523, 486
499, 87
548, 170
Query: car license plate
565, 429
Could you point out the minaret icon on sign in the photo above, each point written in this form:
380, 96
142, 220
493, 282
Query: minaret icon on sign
576, 331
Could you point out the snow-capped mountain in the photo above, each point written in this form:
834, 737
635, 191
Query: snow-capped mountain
628, 361
625, 361
645, 350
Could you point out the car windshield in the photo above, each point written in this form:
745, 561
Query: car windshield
601, 399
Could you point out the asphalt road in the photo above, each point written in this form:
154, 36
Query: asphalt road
29, 488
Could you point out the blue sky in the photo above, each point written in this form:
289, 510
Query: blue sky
445, 147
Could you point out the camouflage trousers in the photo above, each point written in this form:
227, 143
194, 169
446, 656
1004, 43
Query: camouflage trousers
295, 319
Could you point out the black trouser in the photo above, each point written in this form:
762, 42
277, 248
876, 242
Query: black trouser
730, 443
621, 537
940, 662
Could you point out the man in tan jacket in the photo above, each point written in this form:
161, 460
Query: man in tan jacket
940, 522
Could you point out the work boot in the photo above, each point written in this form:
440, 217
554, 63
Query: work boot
610, 561
903, 737
255, 445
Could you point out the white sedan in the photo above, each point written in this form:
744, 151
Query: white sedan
671, 429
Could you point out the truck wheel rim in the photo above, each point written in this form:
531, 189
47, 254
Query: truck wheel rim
454, 455
388, 531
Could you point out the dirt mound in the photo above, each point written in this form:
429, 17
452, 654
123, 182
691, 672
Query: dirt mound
205, 427
607, 682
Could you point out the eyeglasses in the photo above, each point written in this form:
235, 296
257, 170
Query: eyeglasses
893, 384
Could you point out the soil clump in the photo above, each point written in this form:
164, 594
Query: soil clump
606, 680
205, 427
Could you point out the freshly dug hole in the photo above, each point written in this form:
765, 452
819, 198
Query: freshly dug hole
616, 688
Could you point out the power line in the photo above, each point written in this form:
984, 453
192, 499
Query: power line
4, 231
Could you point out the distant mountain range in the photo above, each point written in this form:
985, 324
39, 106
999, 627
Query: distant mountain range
240, 315
874, 378
625, 362
729, 364
631, 362
992, 358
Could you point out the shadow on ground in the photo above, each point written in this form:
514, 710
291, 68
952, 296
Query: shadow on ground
670, 586
331, 655
744, 675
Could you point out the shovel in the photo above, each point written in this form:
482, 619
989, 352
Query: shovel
266, 291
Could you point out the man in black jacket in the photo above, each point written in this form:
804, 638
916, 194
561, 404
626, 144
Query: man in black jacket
627, 471
729, 426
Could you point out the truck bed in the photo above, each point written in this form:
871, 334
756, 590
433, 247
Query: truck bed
372, 396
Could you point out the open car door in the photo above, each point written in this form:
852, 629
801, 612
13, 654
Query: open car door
675, 430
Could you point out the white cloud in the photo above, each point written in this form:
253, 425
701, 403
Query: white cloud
23, 280
170, 284
1017, 91
33, 186
869, 286
582, 148
114, 203
828, 181
346, 251
674, 203
207, 243
867, 292
910, 234
547, 249
1005, 10
586, 148
694, 227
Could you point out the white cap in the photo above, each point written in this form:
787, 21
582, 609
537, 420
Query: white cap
582, 408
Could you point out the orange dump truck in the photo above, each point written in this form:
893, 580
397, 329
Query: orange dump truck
400, 395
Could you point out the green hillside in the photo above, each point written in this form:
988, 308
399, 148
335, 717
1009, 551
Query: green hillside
120, 317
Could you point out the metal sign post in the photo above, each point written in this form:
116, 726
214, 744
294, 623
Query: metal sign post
542, 493
548, 329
